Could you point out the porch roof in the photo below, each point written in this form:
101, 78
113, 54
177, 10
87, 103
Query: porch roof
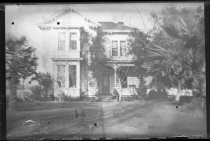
67, 59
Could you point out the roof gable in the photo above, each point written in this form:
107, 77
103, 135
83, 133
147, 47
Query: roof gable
115, 26
67, 17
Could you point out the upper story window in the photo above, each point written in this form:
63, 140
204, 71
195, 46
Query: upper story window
61, 40
114, 48
122, 48
73, 41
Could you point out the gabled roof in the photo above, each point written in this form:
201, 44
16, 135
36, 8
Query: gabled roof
115, 26
65, 15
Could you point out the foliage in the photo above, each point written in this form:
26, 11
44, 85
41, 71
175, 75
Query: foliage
138, 42
130, 98
84, 40
20, 59
84, 37
160, 94
21, 62
37, 91
142, 90
177, 53
69, 98
98, 57
45, 80
174, 52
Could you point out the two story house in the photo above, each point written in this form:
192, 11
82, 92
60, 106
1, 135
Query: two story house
71, 75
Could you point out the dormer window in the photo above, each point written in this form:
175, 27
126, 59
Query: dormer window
73, 41
61, 40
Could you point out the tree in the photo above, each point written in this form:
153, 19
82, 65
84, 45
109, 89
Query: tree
138, 42
176, 54
173, 52
98, 56
21, 62
45, 80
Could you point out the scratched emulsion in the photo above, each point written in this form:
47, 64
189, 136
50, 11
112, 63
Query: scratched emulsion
108, 70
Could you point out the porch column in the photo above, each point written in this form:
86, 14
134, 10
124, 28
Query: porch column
115, 80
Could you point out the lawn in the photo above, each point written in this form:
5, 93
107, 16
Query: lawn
54, 120
133, 119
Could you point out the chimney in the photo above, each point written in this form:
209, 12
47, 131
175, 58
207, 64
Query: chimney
121, 23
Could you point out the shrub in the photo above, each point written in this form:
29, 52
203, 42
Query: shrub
36, 90
70, 98
160, 94
83, 96
171, 98
51, 97
130, 98
142, 91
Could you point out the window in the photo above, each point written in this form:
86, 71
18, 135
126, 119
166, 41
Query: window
61, 40
72, 76
73, 41
61, 76
114, 48
123, 77
122, 48
124, 82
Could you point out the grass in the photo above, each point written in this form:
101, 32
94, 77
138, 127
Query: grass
44, 105
53, 119
105, 119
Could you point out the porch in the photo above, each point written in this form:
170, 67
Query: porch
118, 79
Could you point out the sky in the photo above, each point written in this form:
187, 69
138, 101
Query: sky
26, 18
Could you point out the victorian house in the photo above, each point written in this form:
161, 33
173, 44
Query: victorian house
71, 76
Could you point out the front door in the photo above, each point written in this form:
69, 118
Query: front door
106, 87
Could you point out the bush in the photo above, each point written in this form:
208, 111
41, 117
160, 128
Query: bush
51, 97
36, 90
83, 96
130, 98
171, 98
142, 91
70, 98
161, 94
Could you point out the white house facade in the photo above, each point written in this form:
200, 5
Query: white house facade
71, 75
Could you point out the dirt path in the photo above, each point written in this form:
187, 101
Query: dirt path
118, 124
106, 120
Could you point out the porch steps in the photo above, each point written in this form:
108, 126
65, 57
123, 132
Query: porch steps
107, 98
